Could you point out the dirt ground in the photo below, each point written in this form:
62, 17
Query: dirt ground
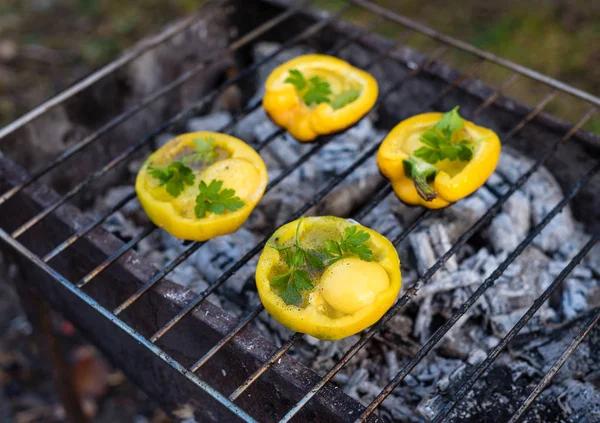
27, 392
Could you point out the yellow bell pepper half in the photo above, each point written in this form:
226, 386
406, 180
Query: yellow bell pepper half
216, 162
315, 94
421, 176
328, 277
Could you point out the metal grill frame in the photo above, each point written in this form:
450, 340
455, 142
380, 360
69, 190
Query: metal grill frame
379, 14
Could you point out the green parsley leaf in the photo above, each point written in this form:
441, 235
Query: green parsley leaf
345, 98
205, 152
318, 91
333, 248
302, 281
296, 79
352, 236
315, 90
290, 295
438, 141
298, 258
289, 284
215, 200
450, 122
465, 152
352, 242
281, 281
314, 261
175, 176
428, 154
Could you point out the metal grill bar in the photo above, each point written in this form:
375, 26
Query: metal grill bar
412, 291
422, 216
132, 149
495, 352
116, 255
378, 198
266, 365
85, 230
241, 325
149, 100
556, 367
536, 111
439, 334
415, 26
494, 96
101, 73
66, 284
320, 195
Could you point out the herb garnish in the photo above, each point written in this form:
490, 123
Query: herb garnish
345, 98
175, 176
215, 200
438, 147
205, 152
438, 141
296, 279
317, 90
352, 242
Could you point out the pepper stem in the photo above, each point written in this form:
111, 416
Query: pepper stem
421, 173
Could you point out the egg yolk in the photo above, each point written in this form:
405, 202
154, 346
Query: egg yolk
351, 284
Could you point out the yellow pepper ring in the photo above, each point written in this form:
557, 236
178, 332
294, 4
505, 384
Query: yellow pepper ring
282, 102
349, 295
455, 179
238, 166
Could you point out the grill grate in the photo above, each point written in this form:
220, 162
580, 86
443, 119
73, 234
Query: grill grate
380, 15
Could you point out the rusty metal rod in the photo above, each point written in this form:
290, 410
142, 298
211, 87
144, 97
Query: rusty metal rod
116, 255
86, 229
556, 367
495, 352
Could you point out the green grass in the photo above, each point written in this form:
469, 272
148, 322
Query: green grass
557, 38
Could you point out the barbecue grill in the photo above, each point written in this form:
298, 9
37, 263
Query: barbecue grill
179, 347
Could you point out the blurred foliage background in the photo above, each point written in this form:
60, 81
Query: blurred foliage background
46, 45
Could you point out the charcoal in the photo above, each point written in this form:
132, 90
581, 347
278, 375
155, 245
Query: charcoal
593, 260
574, 298
245, 128
502, 233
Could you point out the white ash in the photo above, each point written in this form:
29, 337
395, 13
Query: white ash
213, 122
427, 387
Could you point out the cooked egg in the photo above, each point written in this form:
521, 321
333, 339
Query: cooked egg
352, 284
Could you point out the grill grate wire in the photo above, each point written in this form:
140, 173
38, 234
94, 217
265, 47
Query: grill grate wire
380, 15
